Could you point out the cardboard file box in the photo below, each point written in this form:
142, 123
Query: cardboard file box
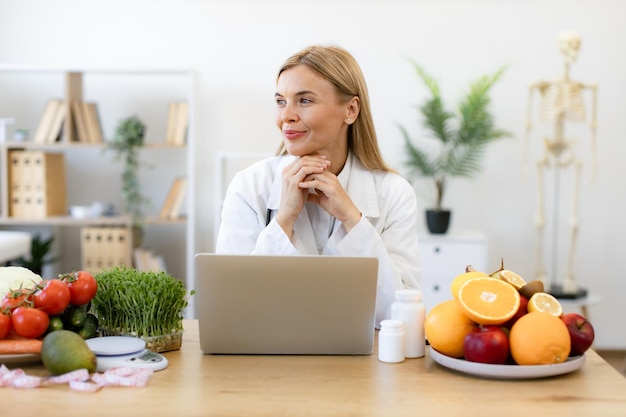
105, 247
37, 187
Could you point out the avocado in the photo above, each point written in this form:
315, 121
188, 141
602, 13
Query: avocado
64, 351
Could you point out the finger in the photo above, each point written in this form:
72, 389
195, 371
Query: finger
301, 170
310, 181
323, 179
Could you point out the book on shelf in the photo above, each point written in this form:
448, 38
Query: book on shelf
80, 121
93, 123
182, 121
177, 123
174, 200
56, 127
172, 114
48, 118
87, 121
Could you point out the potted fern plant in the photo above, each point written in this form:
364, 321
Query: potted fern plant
456, 142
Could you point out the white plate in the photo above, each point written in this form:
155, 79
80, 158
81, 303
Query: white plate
115, 345
508, 371
19, 359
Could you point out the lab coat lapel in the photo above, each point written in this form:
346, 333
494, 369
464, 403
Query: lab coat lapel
362, 189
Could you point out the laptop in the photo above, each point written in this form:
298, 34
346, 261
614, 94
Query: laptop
286, 305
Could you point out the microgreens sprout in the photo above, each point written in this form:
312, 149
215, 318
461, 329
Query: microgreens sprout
141, 303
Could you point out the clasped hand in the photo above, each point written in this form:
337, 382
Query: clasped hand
309, 179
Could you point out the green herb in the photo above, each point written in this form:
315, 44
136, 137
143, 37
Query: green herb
139, 303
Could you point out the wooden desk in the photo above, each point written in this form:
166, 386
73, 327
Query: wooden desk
205, 385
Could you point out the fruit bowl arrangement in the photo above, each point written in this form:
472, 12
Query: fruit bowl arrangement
498, 325
507, 371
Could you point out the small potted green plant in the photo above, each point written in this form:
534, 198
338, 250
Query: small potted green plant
456, 142
126, 145
39, 251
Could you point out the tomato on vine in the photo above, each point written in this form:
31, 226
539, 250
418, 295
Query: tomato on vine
5, 325
14, 299
82, 285
52, 297
29, 322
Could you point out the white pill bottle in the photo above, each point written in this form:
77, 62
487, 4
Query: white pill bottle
410, 310
391, 341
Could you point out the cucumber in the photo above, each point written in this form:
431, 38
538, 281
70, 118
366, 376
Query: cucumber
74, 317
90, 328
56, 323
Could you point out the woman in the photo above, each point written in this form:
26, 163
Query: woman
328, 191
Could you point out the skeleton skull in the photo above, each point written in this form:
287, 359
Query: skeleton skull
569, 44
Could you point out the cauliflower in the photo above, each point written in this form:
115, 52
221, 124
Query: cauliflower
14, 277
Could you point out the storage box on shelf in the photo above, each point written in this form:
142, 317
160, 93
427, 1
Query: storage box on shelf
105, 247
69, 131
37, 184
443, 257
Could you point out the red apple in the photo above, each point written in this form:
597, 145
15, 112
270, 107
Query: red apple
487, 344
580, 331
523, 309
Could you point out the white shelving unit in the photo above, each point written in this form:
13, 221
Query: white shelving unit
91, 173
443, 257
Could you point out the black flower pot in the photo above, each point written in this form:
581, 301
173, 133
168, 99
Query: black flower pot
438, 221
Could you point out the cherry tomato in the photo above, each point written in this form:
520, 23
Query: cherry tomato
53, 298
15, 298
83, 287
29, 322
5, 325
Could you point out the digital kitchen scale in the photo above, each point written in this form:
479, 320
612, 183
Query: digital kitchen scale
124, 351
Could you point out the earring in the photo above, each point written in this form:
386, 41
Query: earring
348, 119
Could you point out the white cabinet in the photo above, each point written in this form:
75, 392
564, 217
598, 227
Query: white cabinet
443, 257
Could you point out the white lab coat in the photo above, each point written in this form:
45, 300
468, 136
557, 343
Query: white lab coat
387, 229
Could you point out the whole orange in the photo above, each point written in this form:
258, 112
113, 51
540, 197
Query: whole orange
539, 338
446, 326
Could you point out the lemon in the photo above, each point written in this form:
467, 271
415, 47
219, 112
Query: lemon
460, 279
546, 303
512, 278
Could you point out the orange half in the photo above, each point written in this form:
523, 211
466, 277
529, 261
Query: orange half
487, 300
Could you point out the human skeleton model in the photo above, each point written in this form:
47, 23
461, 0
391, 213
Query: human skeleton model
561, 101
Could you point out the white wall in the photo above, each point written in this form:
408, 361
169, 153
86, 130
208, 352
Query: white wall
237, 45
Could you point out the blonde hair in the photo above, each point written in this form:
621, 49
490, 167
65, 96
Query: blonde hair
338, 66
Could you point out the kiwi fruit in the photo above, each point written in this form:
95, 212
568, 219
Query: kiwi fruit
531, 288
